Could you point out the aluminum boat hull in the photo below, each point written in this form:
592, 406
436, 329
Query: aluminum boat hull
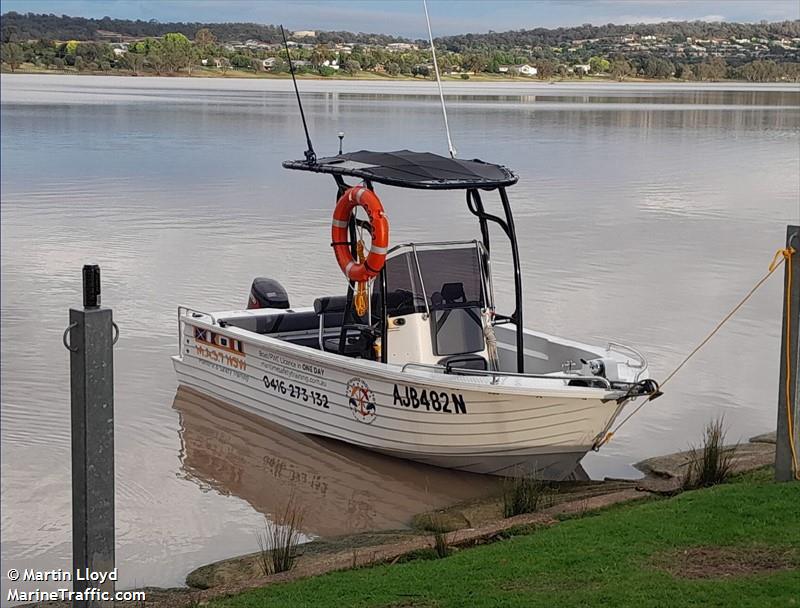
480, 424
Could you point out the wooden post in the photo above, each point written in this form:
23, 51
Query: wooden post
91, 339
784, 467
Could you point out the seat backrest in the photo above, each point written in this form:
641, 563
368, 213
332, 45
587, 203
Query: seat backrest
457, 331
327, 304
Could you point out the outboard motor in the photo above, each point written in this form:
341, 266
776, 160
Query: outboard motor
267, 293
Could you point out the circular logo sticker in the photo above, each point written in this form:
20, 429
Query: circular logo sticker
362, 400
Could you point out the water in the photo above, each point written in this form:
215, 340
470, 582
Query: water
644, 213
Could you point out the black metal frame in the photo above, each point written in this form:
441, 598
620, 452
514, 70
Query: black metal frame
475, 206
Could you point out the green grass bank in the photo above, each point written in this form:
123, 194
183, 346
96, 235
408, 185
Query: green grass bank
737, 544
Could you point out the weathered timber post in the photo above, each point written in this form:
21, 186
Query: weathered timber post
92, 334
790, 358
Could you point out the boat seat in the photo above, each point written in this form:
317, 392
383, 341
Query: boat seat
464, 362
359, 341
284, 322
328, 304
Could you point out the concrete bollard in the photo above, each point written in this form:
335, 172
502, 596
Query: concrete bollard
790, 348
90, 338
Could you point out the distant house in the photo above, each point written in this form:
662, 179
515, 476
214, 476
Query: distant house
522, 69
401, 46
304, 34
331, 63
582, 67
269, 63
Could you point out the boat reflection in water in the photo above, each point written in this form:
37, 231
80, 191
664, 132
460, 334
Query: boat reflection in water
341, 488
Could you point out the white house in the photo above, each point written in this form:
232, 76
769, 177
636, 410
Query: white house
582, 67
304, 34
401, 46
523, 69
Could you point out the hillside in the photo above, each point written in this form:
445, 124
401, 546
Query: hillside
18, 27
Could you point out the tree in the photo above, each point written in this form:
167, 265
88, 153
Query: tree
393, 68
12, 55
204, 38
156, 60
134, 62
240, 61
655, 67
421, 70
546, 68
475, 63
177, 52
684, 72
205, 43
280, 65
351, 66
598, 65
620, 68
715, 69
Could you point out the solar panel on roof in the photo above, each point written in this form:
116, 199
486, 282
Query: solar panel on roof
409, 169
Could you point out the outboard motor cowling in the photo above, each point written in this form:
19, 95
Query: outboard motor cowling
267, 293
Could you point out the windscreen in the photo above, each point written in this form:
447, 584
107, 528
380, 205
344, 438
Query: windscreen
451, 278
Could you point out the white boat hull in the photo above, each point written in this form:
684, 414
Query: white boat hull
470, 423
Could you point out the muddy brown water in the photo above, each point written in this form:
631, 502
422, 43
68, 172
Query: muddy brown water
644, 213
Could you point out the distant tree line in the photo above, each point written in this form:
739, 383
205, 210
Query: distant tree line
676, 30
20, 27
175, 53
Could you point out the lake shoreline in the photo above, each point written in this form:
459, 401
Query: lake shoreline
384, 78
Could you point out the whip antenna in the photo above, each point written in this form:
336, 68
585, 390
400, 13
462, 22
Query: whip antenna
438, 82
311, 157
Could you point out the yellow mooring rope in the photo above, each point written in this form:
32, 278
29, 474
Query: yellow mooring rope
781, 256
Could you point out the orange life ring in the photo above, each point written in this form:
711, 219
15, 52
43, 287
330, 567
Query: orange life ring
369, 201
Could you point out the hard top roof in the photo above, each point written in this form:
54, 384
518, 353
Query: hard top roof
408, 169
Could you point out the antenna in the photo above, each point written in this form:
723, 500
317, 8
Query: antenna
311, 157
439, 83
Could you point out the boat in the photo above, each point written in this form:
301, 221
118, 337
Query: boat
414, 360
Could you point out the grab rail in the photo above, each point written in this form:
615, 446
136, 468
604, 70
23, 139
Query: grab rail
196, 314
496, 374
642, 364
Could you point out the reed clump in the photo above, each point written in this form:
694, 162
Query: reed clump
526, 492
712, 462
279, 541
441, 544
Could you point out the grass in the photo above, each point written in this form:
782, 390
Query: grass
278, 543
619, 557
526, 493
712, 462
